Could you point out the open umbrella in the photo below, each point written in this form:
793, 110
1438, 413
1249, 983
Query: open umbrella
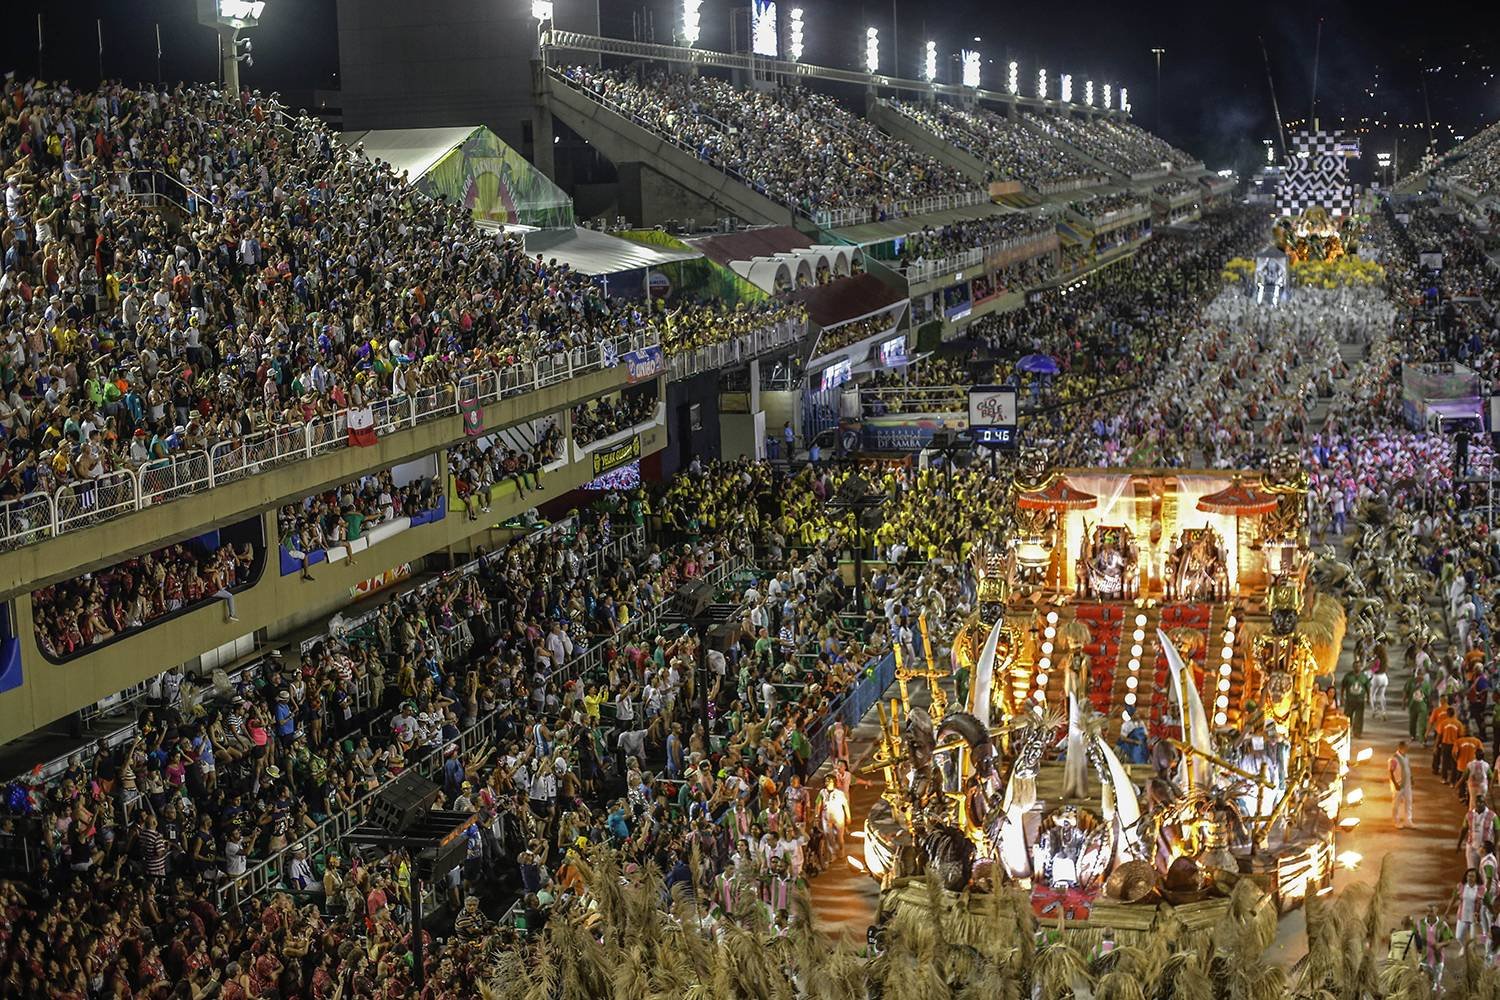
1038, 364
1237, 498
1058, 494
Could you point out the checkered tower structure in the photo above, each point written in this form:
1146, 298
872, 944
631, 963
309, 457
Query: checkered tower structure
1318, 174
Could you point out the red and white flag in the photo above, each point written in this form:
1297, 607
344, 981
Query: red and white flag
361, 427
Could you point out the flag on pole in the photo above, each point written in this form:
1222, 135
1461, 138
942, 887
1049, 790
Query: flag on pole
361, 427
473, 417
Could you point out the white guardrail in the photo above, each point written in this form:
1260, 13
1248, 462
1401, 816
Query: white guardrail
711, 357
37, 516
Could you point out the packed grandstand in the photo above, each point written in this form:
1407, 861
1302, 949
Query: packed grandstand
200, 288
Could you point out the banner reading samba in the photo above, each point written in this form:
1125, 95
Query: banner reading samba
621, 454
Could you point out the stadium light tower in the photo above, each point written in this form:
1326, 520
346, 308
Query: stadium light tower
929, 62
1107, 97
1088, 92
795, 32
1158, 53
1065, 83
690, 23
872, 50
1013, 78
970, 62
1125, 100
229, 18
1041, 83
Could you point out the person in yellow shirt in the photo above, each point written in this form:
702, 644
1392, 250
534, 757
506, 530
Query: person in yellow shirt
591, 702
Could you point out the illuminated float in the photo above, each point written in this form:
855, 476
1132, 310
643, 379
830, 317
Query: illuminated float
1122, 603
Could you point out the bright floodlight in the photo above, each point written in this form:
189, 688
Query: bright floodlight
1106, 97
241, 10
763, 37
1041, 83
929, 62
971, 68
690, 20
541, 9
1065, 82
1088, 92
795, 41
872, 49
1124, 99
1013, 78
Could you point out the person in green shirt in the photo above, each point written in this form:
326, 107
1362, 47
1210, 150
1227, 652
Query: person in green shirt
354, 520
1417, 702
764, 648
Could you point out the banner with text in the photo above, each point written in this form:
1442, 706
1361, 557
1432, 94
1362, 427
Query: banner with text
648, 362
613, 458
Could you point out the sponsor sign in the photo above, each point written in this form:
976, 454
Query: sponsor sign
648, 362
992, 415
613, 458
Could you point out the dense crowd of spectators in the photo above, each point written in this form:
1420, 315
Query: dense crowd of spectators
1119, 145
934, 243
795, 147
690, 327
1100, 205
1176, 187
1473, 163
602, 417
346, 513
1009, 149
305, 278
479, 468
75, 615
1449, 315
854, 331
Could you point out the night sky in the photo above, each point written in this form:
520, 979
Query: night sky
1376, 56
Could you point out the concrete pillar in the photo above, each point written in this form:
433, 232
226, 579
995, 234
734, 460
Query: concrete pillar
228, 58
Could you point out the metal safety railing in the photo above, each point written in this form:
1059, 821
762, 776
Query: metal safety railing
712, 357
79, 504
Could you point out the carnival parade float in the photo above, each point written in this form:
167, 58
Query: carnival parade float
1145, 722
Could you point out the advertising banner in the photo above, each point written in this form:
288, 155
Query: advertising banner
647, 363
613, 458
992, 414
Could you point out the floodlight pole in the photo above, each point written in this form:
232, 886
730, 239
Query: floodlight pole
229, 38
1158, 52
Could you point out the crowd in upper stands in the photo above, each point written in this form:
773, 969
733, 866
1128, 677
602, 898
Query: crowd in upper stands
478, 468
1473, 163
1174, 188
934, 243
1119, 145
603, 417
1100, 205
796, 147
696, 325
1009, 149
344, 514
305, 279
72, 616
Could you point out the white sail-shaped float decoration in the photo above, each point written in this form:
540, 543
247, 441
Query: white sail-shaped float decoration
984, 676
1075, 767
1119, 793
1194, 719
